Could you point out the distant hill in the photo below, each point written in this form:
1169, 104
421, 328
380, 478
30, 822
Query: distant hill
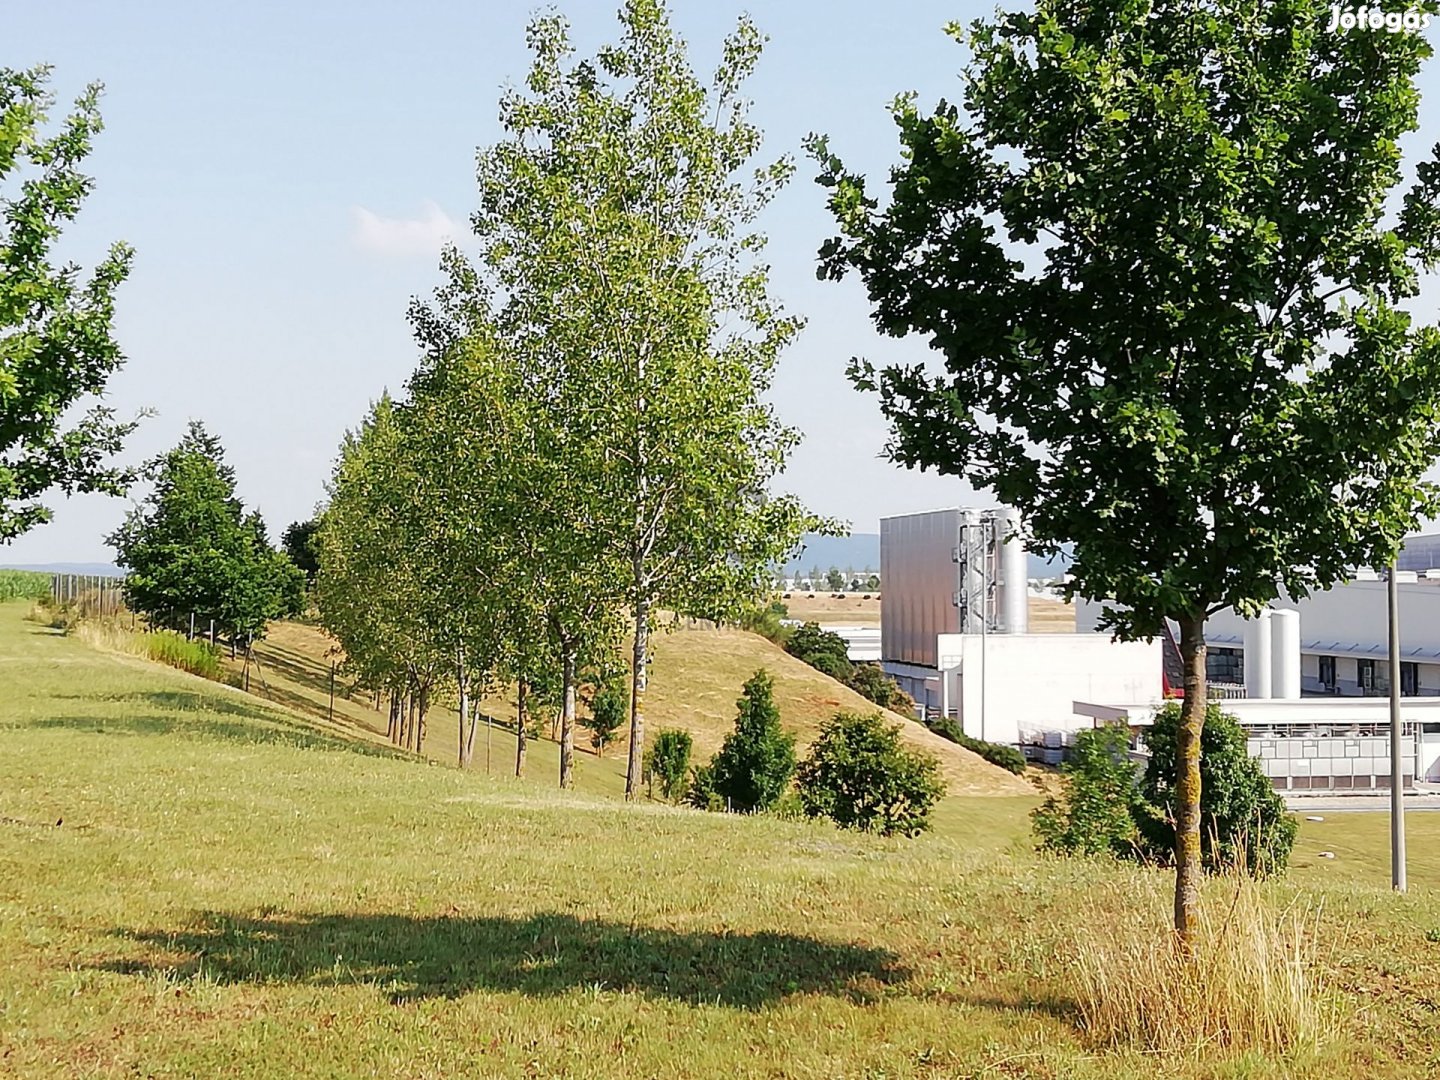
859, 550
98, 569
862, 551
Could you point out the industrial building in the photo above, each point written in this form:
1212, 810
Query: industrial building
954, 633
1307, 679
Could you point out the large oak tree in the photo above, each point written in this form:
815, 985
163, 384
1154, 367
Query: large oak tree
1160, 252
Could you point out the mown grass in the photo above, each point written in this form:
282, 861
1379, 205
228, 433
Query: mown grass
233, 890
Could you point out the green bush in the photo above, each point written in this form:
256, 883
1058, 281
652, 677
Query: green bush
767, 621
823, 650
1104, 807
1093, 815
860, 776
702, 794
870, 682
1243, 821
667, 762
608, 712
755, 764
1007, 757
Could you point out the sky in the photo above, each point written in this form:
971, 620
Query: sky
287, 172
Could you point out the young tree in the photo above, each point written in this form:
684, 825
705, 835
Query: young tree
1154, 254
667, 763
616, 224
193, 552
57, 345
860, 776
607, 717
757, 759
835, 580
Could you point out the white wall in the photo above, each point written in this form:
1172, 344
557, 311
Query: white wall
1014, 688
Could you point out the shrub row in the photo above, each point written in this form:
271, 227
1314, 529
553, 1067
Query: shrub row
858, 773
1007, 757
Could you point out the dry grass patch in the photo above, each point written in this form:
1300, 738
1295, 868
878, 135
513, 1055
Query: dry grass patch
1251, 983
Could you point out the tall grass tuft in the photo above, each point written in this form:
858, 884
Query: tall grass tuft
23, 585
1250, 982
163, 646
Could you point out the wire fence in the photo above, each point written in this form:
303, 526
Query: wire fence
88, 595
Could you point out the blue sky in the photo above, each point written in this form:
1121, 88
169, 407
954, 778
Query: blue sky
286, 171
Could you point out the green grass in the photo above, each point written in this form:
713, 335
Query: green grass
235, 890
23, 585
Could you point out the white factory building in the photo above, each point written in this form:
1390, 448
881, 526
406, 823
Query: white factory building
953, 633
1308, 679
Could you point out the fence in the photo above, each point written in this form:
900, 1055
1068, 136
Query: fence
88, 595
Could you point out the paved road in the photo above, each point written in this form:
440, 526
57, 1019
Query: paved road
1342, 804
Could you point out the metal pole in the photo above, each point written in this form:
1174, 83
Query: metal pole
1397, 769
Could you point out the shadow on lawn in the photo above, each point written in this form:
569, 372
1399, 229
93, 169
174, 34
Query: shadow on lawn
536, 955
167, 712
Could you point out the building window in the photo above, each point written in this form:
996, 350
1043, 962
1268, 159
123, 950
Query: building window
1327, 672
1224, 666
1365, 675
1409, 679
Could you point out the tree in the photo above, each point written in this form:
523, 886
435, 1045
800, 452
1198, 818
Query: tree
616, 238
860, 776
872, 583
194, 554
757, 759
1094, 813
1155, 255
57, 345
824, 650
835, 580
607, 716
1243, 820
667, 763
298, 541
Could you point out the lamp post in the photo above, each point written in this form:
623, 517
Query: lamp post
1397, 768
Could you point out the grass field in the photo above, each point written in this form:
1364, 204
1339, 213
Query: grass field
196, 883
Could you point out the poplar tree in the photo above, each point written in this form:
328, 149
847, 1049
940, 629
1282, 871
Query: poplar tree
616, 228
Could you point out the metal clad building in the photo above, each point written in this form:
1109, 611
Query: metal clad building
917, 568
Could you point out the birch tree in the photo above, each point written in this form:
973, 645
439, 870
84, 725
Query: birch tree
617, 224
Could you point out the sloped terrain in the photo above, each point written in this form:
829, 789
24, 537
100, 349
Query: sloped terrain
695, 682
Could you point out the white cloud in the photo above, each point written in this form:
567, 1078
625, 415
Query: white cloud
422, 235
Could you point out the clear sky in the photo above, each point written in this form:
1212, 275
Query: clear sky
287, 171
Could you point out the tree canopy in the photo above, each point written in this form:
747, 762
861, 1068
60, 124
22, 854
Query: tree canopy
57, 344
194, 553
1156, 252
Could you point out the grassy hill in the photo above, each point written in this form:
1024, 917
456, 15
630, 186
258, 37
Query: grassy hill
196, 883
695, 682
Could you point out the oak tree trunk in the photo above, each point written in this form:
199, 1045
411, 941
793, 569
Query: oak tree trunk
637, 699
1187, 778
567, 718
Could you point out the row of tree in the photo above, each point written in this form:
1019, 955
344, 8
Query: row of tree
585, 442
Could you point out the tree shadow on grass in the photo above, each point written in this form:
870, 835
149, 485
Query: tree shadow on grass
180, 712
537, 955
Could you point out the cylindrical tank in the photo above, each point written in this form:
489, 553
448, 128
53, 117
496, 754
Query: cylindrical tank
1258, 665
1014, 572
1285, 654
